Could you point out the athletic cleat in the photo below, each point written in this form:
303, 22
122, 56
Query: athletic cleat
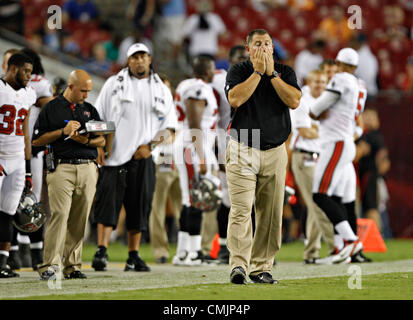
8, 273
238, 276
136, 264
179, 261
349, 249
14, 261
360, 258
194, 258
100, 263
263, 277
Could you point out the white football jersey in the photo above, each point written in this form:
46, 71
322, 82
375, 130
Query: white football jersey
200, 90
339, 125
43, 89
300, 118
14, 106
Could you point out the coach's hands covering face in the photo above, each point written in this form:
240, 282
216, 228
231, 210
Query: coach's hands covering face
269, 62
143, 152
258, 60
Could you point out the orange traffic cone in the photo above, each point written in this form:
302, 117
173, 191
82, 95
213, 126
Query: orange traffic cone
215, 247
370, 236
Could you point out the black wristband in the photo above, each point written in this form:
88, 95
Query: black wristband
28, 169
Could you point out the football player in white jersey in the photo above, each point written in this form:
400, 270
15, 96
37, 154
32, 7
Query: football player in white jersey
198, 113
336, 108
15, 101
43, 89
305, 146
237, 54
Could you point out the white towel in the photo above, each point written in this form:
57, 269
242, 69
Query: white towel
158, 93
122, 90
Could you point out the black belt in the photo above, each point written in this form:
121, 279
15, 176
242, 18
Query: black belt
307, 152
75, 161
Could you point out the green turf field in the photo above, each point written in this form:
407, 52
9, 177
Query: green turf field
396, 250
390, 276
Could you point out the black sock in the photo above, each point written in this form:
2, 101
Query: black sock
133, 254
101, 251
351, 215
334, 210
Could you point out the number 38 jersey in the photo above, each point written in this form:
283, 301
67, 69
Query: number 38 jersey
14, 106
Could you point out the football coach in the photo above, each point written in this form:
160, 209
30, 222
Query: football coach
260, 92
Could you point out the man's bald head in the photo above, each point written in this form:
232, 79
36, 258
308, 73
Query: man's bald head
79, 85
78, 77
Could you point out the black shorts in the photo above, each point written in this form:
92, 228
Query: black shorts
132, 185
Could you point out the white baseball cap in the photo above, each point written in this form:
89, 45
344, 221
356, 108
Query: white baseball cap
137, 47
348, 56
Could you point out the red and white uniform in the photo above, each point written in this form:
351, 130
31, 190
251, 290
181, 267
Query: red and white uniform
14, 106
43, 89
186, 157
336, 132
348, 188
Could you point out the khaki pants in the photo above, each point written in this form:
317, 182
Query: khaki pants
71, 192
260, 174
167, 183
317, 224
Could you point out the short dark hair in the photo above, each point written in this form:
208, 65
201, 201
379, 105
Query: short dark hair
234, 50
254, 32
19, 59
12, 51
37, 63
201, 64
327, 62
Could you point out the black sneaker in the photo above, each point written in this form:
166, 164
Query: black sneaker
48, 275
223, 255
8, 273
100, 263
209, 260
238, 276
37, 258
360, 258
263, 277
76, 275
162, 260
136, 264
14, 261
310, 261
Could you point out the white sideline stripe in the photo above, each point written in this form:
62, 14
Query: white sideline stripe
166, 276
